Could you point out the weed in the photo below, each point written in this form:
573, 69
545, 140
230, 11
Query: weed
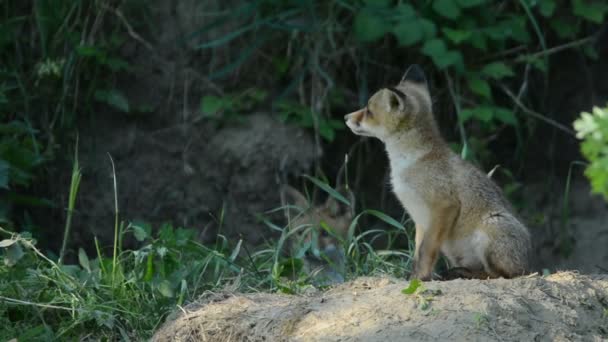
423, 295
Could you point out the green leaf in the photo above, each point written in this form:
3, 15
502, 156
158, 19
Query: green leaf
469, 3
480, 87
546, 7
457, 36
378, 3
590, 10
505, 115
414, 285
325, 187
406, 11
83, 259
370, 26
139, 232
482, 113
479, 41
447, 8
114, 98
212, 104
291, 267
434, 47
408, 33
565, 28
236, 250
7, 243
385, 218
497, 70
327, 132
164, 287
4, 172
428, 28
13, 254
448, 59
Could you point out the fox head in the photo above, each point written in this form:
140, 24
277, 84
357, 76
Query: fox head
319, 233
397, 109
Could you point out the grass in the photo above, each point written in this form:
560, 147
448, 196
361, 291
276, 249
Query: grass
127, 295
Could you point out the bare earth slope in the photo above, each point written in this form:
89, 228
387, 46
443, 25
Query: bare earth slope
561, 307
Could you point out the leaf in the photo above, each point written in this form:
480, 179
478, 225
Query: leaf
590, 10
565, 28
497, 70
140, 232
114, 98
448, 59
164, 287
428, 28
325, 187
327, 132
406, 11
386, 218
378, 3
434, 47
236, 250
480, 87
484, 114
7, 243
408, 33
457, 36
13, 254
83, 259
447, 8
4, 174
414, 285
505, 115
291, 267
212, 104
546, 7
369, 26
469, 3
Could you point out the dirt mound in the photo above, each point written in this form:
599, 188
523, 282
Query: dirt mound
561, 307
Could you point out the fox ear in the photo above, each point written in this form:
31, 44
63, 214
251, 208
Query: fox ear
414, 74
395, 99
291, 196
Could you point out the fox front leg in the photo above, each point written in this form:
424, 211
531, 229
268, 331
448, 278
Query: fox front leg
428, 242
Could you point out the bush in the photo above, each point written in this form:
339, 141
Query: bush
592, 129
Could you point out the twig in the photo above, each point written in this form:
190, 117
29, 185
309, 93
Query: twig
555, 49
129, 28
535, 114
48, 306
457, 108
602, 268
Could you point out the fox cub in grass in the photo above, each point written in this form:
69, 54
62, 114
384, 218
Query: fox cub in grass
318, 234
456, 208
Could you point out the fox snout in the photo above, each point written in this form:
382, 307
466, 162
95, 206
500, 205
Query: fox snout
354, 117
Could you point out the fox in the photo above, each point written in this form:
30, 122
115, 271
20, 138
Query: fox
319, 232
458, 211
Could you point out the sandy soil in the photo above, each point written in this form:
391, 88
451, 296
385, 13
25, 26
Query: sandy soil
560, 307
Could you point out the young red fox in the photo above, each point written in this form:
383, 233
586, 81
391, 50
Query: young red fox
321, 230
457, 209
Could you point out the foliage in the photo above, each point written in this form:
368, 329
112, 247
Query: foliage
472, 42
592, 128
128, 294
67, 66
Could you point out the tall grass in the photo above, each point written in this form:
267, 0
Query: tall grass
126, 295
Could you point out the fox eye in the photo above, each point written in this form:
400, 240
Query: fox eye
368, 112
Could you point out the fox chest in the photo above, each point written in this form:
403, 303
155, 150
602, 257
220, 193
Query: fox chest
413, 203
